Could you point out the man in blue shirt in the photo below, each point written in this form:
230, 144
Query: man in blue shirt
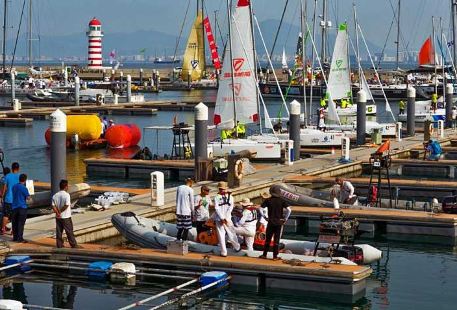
20, 196
10, 180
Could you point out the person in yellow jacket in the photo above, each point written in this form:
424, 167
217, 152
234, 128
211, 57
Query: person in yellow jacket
434, 102
344, 103
240, 130
226, 134
402, 106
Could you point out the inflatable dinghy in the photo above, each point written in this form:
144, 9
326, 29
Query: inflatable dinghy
155, 234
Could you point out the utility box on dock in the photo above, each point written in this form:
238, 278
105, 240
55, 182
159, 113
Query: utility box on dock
157, 189
177, 247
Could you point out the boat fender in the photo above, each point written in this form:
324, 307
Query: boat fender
239, 169
432, 129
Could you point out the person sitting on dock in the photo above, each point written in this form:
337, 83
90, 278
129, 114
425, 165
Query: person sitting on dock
433, 150
278, 214
61, 205
184, 209
202, 202
346, 191
223, 204
245, 226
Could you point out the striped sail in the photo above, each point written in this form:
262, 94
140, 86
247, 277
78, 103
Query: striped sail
193, 64
243, 107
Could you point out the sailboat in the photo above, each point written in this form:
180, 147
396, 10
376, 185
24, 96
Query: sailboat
237, 97
193, 72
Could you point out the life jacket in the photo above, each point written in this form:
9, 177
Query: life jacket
209, 236
254, 213
260, 236
344, 104
225, 134
434, 98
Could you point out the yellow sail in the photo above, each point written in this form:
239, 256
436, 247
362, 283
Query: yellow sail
193, 65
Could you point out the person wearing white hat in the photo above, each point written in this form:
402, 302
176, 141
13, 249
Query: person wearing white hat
223, 205
246, 226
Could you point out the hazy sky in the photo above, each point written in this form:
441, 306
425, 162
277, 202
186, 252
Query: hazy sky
57, 17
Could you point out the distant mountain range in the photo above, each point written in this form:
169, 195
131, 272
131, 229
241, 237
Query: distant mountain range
158, 43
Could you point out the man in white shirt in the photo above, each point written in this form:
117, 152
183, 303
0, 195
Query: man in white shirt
62, 208
346, 191
247, 224
223, 204
184, 209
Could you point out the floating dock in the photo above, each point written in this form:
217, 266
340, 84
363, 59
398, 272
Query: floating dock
262, 274
15, 122
129, 168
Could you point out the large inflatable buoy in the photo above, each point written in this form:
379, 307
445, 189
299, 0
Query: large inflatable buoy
87, 127
120, 136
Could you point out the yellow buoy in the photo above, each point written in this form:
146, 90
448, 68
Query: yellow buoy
87, 127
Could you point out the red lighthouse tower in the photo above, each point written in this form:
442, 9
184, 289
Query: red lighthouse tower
94, 35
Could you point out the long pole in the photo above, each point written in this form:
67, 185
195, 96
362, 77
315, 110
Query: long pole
5, 13
357, 46
203, 36
398, 34
324, 31
434, 54
254, 53
313, 55
303, 59
454, 32
229, 19
30, 33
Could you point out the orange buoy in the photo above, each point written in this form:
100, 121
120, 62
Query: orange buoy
125, 135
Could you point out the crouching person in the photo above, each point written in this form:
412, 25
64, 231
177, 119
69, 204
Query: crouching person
246, 226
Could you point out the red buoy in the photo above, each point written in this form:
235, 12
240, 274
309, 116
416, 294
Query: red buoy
125, 135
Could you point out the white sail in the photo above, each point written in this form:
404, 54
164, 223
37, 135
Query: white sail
284, 59
365, 86
339, 80
244, 81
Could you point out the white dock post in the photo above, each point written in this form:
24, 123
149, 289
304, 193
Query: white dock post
441, 128
345, 149
157, 189
398, 131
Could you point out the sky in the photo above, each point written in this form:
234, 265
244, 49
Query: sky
63, 17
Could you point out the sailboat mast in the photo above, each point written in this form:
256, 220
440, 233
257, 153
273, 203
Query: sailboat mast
203, 38
398, 33
255, 63
434, 54
454, 32
357, 45
30, 33
312, 53
5, 13
324, 31
229, 19
302, 22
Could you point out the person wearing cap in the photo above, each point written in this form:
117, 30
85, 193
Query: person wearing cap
184, 209
110, 123
223, 205
202, 202
246, 226
278, 214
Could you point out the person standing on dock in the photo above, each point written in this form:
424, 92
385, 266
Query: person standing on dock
61, 205
223, 204
402, 106
20, 197
202, 202
278, 214
5, 218
10, 180
184, 209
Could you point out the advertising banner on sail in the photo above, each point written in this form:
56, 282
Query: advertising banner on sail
193, 64
237, 96
212, 44
339, 81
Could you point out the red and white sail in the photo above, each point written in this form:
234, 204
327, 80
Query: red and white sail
241, 63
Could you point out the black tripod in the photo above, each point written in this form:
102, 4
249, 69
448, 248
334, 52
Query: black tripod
378, 163
182, 148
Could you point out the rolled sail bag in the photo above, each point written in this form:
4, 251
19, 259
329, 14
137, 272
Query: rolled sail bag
87, 127
121, 136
